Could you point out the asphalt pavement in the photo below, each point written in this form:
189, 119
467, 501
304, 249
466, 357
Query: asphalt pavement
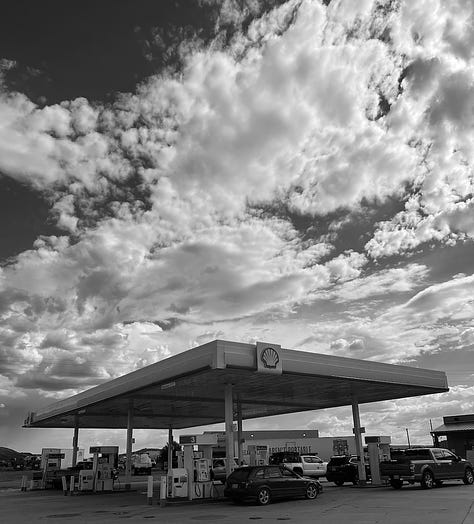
451, 504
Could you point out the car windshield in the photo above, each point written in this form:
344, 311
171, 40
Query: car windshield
239, 475
284, 457
338, 460
312, 460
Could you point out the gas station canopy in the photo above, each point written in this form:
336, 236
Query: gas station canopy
188, 389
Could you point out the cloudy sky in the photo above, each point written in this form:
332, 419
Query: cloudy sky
174, 172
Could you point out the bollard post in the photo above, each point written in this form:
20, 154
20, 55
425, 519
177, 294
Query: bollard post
32, 484
23, 483
64, 485
163, 489
150, 490
72, 485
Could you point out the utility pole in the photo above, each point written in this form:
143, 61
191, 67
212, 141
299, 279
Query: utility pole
408, 437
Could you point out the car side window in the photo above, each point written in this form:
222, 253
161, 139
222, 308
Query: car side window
447, 455
259, 473
438, 454
308, 459
273, 472
287, 472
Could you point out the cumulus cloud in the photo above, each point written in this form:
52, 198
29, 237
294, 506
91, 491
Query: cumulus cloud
437, 318
384, 282
436, 110
393, 417
307, 106
165, 197
54, 144
100, 289
450, 300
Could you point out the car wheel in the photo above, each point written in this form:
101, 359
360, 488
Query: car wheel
468, 476
263, 496
311, 491
396, 484
427, 480
339, 482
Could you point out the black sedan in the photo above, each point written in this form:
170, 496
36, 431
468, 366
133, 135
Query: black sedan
264, 483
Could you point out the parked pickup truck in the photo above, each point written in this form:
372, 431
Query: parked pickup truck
141, 464
306, 465
429, 466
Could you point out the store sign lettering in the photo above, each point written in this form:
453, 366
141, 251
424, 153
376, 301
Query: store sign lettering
297, 449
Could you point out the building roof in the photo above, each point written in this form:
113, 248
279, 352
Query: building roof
187, 389
456, 419
453, 428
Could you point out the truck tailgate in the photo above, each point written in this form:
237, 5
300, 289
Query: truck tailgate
391, 468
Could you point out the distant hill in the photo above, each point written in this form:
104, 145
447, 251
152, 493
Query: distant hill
10, 454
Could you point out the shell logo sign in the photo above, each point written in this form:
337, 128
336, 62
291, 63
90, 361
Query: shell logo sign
269, 358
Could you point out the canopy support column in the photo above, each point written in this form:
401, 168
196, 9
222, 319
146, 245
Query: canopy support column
128, 462
229, 430
358, 439
170, 449
239, 432
75, 440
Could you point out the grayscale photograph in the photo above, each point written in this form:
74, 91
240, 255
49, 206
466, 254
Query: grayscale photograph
237, 261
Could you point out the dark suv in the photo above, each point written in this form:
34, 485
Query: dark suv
344, 468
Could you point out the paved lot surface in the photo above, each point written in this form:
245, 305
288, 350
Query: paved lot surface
451, 504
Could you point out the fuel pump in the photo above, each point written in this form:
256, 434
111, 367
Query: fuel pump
178, 482
202, 470
378, 448
197, 463
258, 455
51, 463
105, 460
